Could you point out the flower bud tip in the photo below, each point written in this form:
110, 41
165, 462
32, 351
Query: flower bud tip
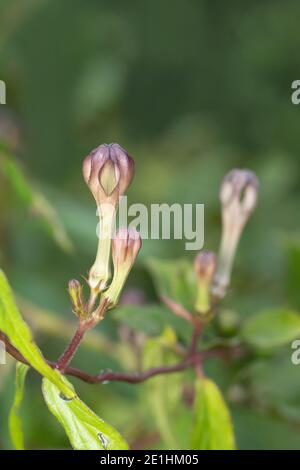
205, 265
239, 187
108, 171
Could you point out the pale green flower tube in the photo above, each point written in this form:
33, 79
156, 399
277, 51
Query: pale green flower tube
238, 197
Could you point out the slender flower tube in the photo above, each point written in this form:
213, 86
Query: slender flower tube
238, 195
205, 266
108, 171
125, 247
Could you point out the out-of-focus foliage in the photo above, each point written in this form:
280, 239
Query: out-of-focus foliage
32, 200
191, 91
175, 280
163, 393
150, 319
212, 428
272, 329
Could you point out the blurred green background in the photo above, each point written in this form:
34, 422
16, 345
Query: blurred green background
191, 88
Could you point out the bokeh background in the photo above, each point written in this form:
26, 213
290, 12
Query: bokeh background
191, 88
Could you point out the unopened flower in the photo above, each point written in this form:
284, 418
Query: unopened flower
125, 247
108, 171
238, 197
76, 295
205, 267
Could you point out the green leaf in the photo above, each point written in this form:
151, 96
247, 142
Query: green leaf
19, 334
78, 420
212, 428
174, 279
162, 392
15, 421
271, 329
33, 200
85, 430
292, 269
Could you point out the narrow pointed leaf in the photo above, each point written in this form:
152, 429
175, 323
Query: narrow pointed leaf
212, 428
15, 421
85, 430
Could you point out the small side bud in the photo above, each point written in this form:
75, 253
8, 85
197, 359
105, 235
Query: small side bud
238, 195
76, 296
125, 247
205, 267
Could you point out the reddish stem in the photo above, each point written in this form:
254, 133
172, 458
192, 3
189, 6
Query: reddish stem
69, 353
177, 309
107, 375
133, 378
196, 333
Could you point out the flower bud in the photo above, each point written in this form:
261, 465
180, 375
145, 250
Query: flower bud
108, 171
125, 247
76, 295
238, 197
205, 267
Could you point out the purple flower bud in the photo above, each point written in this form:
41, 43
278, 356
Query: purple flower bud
238, 197
205, 265
108, 171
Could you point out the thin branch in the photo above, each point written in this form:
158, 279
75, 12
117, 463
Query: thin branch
194, 346
69, 353
177, 309
11, 350
108, 375
50, 323
132, 378
196, 334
